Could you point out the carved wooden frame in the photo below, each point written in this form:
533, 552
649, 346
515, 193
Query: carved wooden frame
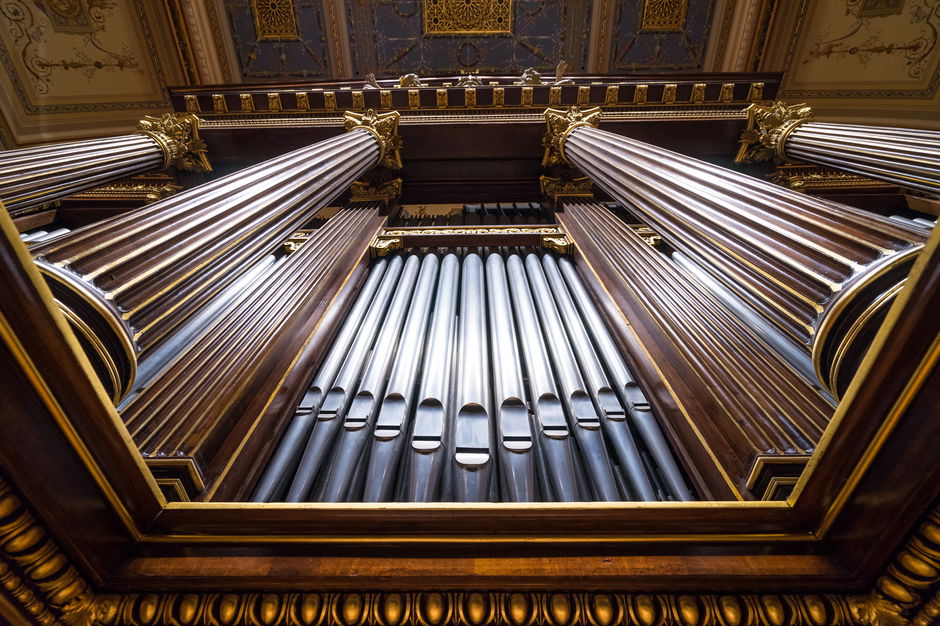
86, 536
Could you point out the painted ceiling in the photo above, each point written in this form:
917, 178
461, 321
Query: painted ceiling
285, 39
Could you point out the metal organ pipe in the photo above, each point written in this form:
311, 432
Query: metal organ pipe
512, 417
459, 379
473, 424
554, 436
361, 414
334, 404
393, 416
613, 416
638, 407
427, 450
282, 465
584, 419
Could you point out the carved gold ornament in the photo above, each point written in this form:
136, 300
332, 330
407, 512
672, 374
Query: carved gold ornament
275, 19
178, 137
559, 123
554, 187
387, 191
664, 15
768, 127
384, 127
451, 17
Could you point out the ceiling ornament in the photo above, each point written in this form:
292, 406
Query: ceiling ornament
275, 19
664, 15
453, 17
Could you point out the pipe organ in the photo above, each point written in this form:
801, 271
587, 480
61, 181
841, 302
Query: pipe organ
290, 332
473, 377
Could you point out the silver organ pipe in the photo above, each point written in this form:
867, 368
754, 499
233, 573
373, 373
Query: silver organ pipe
392, 421
275, 479
638, 407
360, 417
550, 424
613, 416
473, 422
427, 450
583, 418
514, 432
336, 400
455, 378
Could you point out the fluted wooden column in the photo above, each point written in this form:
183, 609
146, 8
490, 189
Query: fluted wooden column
127, 282
824, 273
32, 177
758, 418
191, 419
903, 156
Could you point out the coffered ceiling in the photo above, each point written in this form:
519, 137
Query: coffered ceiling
79, 68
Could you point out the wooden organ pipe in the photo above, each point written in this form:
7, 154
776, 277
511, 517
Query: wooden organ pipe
907, 157
823, 273
32, 177
127, 283
434, 356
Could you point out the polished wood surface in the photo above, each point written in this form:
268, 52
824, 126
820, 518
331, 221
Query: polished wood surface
206, 403
147, 271
807, 266
751, 407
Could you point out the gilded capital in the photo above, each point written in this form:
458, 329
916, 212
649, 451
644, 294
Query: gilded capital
768, 127
384, 127
559, 124
178, 137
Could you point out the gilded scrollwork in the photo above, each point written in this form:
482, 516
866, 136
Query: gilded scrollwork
768, 127
559, 124
385, 191
555, 187
384, 127
178, 138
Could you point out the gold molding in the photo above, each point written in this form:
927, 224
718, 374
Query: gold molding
382, 126
34, 571
145, 188
178, 138
810, 177
559, 124
768, 127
